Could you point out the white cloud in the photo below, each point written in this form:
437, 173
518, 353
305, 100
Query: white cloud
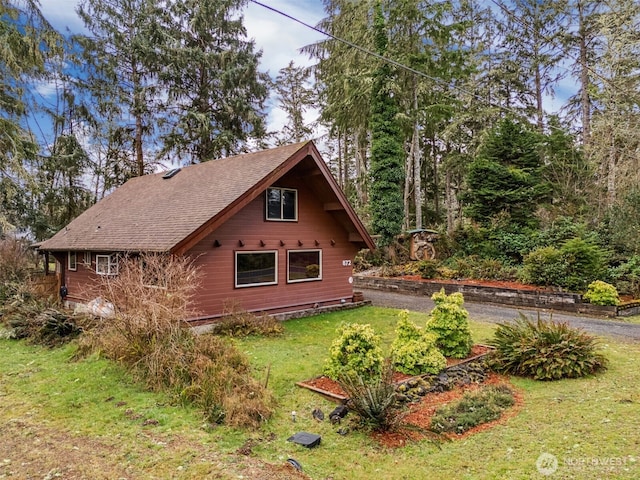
62, 15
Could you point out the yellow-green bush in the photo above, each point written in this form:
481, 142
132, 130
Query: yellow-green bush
414, 351
601, 293
449, 321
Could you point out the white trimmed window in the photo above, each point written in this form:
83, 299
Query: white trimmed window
72, 258
107, 264
256, 268
282, 204
304, 265
87, 258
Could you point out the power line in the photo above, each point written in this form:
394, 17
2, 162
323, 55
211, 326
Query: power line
390, 61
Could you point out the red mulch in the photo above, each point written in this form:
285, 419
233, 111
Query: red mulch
484, 283
420, 413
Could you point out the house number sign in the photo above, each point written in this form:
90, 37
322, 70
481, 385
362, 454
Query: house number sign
346, 263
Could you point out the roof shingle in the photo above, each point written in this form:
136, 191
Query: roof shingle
150, 213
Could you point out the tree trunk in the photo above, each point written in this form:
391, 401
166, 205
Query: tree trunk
417, 165
585, 102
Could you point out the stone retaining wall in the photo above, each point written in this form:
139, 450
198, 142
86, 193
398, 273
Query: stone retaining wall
563, 301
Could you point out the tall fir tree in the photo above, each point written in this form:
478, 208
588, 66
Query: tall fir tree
215, 91
120, 63
295, 97
28, 41
387, 154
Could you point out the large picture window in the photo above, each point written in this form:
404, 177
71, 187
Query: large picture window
256, 268
304, 265
282, 204
107, 264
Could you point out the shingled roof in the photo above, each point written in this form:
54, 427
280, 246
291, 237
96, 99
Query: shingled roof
154, 214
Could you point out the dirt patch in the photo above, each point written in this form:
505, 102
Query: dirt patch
32, 449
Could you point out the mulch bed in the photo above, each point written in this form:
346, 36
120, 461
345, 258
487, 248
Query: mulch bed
483, 283
421, 413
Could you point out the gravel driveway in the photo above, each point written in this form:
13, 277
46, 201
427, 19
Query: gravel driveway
486, 312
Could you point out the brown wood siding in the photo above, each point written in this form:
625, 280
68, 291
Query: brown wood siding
314, 224
81, 281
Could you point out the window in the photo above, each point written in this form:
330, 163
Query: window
87, 258
282, 204
73, 260
304, 265
256, 268
107, 264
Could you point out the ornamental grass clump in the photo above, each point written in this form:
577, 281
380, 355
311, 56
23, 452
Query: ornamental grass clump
374, 401
357, 352
545, 350
414, 351
450, 323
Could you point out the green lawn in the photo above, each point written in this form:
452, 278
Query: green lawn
589, 425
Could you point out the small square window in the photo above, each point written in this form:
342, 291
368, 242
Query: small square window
282, 204
107, 264
304, 265
73, 260
256, 268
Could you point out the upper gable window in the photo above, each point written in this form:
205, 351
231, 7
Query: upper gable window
282, 204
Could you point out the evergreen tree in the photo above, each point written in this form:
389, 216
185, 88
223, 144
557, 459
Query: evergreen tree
343, 79
28, 41
506, 176
569, 174
120, 60
387, 169
215, 92
295, 98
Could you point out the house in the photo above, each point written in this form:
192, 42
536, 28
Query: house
270, 230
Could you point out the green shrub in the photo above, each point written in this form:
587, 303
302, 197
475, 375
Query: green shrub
627, 276
573, 266
355, 353
481, 268
427, 268
414, 351
601, 293
450, 322
40, 323
544, 266
585, 263
475, 408
544, 350
374, 400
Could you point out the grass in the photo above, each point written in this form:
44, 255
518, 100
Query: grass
584, 423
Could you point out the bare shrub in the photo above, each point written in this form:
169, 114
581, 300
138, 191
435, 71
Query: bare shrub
148, 334
237, 322
17, 262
